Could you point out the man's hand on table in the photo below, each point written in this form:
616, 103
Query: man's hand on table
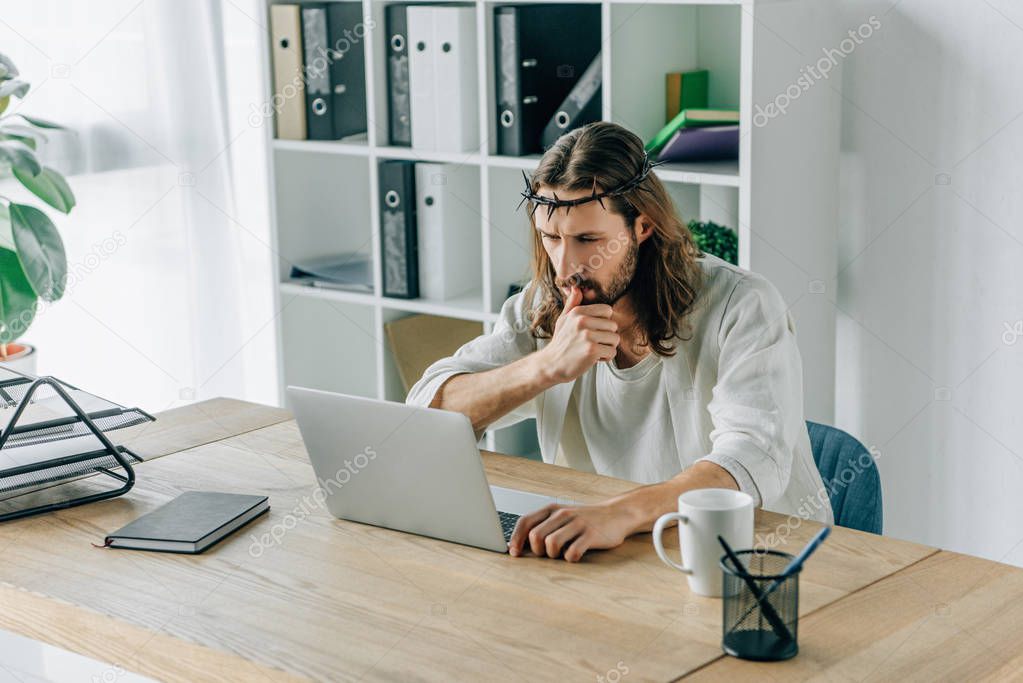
569, 531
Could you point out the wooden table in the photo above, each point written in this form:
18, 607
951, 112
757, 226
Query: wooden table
298, 594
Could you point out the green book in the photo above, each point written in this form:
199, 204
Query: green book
685, 90
692, 118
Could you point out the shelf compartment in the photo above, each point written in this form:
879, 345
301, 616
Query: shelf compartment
511, 241
431, 341
380, 52
688, 36
489, 128
706, 203
323, 206
323, 338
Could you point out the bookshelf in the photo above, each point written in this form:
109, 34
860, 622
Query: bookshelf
781, 195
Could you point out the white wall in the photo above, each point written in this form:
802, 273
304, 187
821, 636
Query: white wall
931, 267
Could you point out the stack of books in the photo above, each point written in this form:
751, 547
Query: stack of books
693, 131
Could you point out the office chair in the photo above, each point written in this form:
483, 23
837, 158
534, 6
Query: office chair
850, 476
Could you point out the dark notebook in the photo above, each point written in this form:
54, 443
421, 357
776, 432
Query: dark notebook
190, 523
702, 144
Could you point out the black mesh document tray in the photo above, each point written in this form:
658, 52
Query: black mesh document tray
53, 433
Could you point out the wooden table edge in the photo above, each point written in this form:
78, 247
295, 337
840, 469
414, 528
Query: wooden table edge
107, 640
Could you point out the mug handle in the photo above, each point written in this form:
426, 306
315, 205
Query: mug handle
662, 521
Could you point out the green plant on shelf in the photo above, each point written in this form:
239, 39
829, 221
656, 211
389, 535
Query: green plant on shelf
716, 239
33, 264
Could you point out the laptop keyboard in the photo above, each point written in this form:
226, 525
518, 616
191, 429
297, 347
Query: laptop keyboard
508, 521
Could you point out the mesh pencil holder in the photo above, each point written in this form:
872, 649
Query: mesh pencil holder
760, 614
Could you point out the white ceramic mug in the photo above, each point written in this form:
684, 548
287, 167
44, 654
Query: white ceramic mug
703, 515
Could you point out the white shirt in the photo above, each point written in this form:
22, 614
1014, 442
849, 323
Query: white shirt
618, 423
733, 388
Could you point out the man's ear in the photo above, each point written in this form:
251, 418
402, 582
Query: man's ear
644, 227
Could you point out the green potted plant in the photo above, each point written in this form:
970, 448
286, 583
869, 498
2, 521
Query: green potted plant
716, 239
33, 265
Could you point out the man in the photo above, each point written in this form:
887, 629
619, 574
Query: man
639, 356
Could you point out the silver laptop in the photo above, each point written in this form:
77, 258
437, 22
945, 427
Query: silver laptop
406, 468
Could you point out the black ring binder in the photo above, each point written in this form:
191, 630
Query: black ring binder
66, 468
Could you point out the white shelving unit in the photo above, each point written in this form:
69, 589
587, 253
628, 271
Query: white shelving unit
780, 196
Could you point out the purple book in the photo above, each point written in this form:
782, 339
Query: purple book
708, 143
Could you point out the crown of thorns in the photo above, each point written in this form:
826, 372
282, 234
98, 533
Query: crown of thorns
552, 203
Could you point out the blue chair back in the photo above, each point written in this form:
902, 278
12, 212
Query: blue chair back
850, 476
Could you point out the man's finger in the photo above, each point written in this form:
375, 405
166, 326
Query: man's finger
590, 322
539, 533
597, 310
575, 295
560, 539
577, 548
608, 338
525, 524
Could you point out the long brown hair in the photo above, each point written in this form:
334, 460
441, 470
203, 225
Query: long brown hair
667, 279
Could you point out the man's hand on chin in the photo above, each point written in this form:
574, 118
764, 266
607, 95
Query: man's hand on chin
569, 531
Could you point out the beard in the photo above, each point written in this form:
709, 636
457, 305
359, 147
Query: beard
615, 289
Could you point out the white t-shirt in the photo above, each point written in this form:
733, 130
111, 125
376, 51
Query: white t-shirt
618, 423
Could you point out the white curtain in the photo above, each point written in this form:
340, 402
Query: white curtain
170, 298
190, 94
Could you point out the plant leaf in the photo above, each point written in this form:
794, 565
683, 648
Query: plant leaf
40, 251
6, 62
49, 186
6, 237
28, 142
13, 87
19, 156
24, 134
17, 300
21, 129
41, 123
